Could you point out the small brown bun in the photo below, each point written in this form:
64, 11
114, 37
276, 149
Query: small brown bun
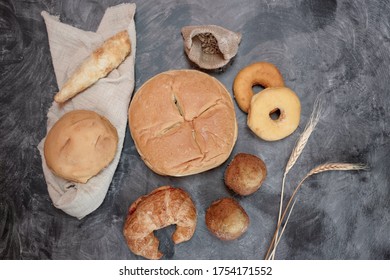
79, 145
245, 174
226, 219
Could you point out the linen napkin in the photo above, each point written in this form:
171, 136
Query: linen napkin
110, 97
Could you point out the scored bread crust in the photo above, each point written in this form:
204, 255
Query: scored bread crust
98, 65
183, 122
79, 145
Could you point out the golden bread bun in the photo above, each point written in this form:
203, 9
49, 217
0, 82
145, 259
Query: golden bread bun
79, 145
226, 219
245, 174
183, 122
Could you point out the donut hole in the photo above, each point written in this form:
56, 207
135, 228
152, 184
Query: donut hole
275, 114
257, 88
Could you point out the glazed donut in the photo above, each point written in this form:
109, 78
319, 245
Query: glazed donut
260, 73
269, 101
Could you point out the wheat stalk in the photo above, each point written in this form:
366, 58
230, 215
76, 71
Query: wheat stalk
319, 169
272, 256
299, 146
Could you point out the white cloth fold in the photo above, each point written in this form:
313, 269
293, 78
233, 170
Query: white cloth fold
110, 97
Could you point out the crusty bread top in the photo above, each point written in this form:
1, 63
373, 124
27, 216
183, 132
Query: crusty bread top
80, 145
183, 122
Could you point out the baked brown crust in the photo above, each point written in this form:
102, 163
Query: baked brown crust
79, 145
162, 207
183, 122
260, 73
226, 219
245, 174
98, 65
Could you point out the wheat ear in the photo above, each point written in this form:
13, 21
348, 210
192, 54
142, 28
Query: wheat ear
299, 146
319, 169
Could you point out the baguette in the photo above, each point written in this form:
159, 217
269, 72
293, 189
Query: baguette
98, 65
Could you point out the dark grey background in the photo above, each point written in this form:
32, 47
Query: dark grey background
337, 49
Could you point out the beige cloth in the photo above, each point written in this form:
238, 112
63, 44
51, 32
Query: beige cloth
226, 40
109, 97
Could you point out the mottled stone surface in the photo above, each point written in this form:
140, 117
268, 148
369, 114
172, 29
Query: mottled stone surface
337, 49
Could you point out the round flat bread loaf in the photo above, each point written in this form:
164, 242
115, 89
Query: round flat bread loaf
183, 122
79, 145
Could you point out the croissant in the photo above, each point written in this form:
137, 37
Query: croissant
98, 65
162, 207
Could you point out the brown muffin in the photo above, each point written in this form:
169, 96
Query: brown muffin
245, 174
226, 219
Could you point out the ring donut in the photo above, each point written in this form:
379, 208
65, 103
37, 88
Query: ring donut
260, 73
269, 101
